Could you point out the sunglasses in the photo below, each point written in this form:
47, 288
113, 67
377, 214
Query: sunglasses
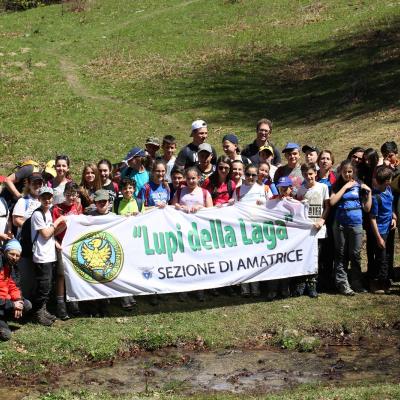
222, 168
248, 175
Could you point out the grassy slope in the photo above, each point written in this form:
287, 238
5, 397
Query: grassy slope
94, 83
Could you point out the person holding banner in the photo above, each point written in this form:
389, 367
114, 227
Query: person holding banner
250, 190
237, 173
190, 199
156, 193
90, 182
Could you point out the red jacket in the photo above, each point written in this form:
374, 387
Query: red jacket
8, 288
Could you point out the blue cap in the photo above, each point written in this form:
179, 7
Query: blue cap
13, 244
135, 152
284, 181
231, 137
290, 146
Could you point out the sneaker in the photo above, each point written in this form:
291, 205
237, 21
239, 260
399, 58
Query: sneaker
126, 303
62, 311
183, 297
378, 291
5, 331
271, 295
346, 291
200, 296
154, 300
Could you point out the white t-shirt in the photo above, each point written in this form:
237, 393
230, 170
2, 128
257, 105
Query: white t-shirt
25, 207
170, 165
315, 198
250, 194
3, 217
44, 250
195, 198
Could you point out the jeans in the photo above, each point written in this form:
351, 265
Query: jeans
347, 238
378, 267
44, 277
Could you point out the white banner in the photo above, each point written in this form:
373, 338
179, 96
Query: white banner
167, 251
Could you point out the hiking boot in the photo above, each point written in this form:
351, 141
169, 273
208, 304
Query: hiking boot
299, 289
62, 311
73, 307
41, 318
312, 289
5, 331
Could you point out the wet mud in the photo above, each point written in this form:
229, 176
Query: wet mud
370, 360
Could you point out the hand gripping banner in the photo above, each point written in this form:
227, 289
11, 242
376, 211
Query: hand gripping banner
167, 251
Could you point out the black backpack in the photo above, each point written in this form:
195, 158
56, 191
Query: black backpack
26, 236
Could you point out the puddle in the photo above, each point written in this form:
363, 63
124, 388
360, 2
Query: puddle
235, 371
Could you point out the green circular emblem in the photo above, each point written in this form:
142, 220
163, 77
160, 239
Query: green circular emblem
97, 257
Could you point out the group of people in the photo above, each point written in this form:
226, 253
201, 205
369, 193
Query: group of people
360, 194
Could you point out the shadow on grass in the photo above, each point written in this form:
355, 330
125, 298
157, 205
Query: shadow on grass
340, 78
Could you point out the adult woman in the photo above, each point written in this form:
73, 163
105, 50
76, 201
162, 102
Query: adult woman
104, 166
90, 183
219, 184
61, 179
230, 145
351, 198
325, 173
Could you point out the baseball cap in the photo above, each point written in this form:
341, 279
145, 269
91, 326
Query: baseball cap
134, 152
101, 194
205, 147
36, 176
199, 123
290, 146
307, 147
231, 137
45, 189
50, 168
284, 181
266, 148
153, 140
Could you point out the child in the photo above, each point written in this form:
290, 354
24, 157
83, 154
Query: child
70, 206
266, 155
129, 204
61, 179
44, 253
104, 166
136, 159
12, 304
317, 196
151, 146
383, 219
250, 191
90, 182
265, 179
156, 192
237, 172
205, 166
310, 153
168, 148
351, 197
230, 145
281, 286
177, 181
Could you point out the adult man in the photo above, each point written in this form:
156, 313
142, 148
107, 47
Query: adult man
292, 168
264, 131
187, 157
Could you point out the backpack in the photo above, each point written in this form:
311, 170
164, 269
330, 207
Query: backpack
26, 235
3, 201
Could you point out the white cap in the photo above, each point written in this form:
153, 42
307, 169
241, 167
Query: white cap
199, 123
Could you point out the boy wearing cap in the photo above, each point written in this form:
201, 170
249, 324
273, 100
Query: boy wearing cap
44, 253
264, 132
135, 160
205, 156
187, 157
151, 146
12, 304
310, 153
292, 168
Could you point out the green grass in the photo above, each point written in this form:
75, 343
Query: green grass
360, 392
221, 323
96, 82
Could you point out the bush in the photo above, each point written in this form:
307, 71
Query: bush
20, 5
